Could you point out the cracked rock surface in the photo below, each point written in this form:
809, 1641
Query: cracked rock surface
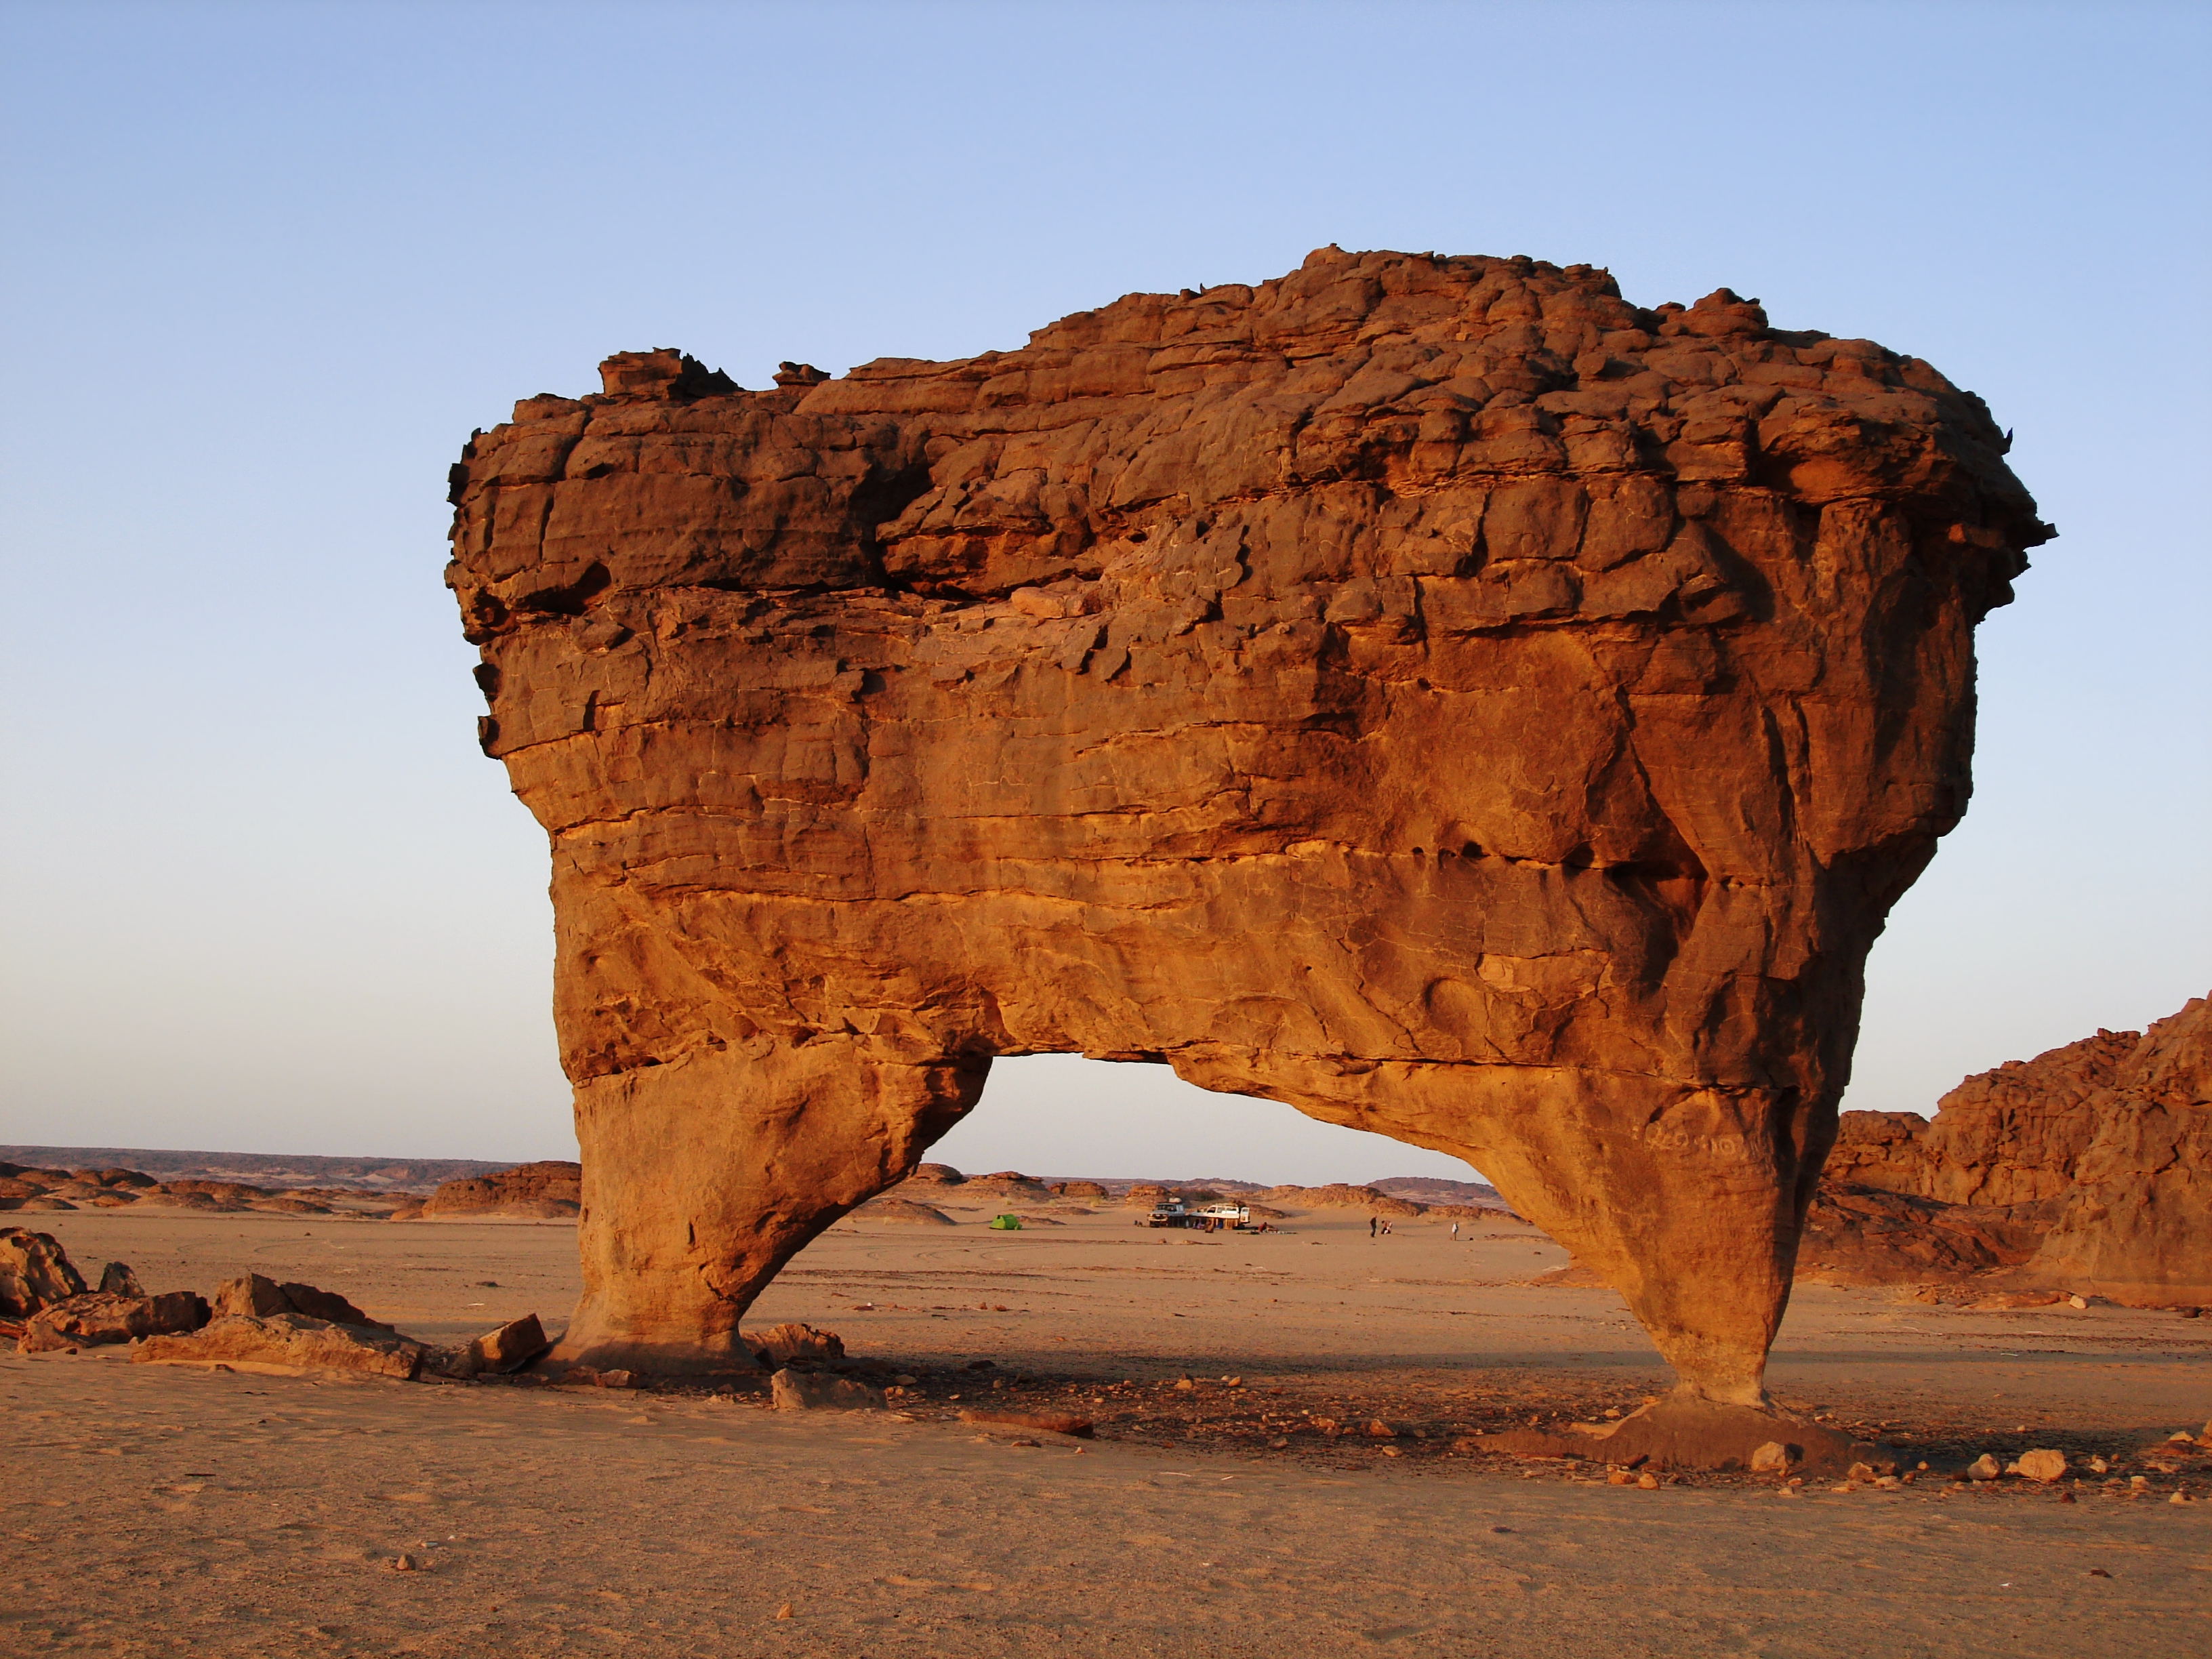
1431, 692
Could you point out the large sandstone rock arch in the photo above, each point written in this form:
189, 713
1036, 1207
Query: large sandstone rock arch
1431, 692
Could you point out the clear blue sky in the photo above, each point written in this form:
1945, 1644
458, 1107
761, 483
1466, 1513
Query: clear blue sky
265, 266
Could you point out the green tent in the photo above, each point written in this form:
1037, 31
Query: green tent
1007, 1223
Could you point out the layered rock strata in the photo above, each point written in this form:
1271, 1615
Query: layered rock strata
1433, 693
2086, 1170
548, 1190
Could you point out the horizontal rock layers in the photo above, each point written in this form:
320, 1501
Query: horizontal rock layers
1431, 692
2088, 1168
549, 1190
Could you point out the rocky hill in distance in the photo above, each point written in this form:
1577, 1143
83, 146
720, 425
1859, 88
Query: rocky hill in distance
274, 1169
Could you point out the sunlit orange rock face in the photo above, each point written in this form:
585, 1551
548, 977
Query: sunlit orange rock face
1431, 692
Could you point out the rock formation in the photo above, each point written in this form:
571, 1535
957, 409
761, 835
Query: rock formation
35, 1272
549, 1190
27, 1186
287, 1345
905, 1210
2086, 1170
258, 1297
1431, 692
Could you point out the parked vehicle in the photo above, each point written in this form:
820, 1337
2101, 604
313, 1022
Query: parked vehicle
1226, 1217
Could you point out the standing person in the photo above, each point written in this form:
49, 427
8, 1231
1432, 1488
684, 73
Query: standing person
1455, 1229
1370, 1226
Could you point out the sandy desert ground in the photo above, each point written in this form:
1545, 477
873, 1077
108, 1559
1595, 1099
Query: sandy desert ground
151, 1509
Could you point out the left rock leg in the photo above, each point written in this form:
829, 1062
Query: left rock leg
703, 1176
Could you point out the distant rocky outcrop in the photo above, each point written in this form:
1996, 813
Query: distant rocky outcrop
34, 1187
273, 1172
2088, 1168
549, 1190
889, 1208
1435, 1189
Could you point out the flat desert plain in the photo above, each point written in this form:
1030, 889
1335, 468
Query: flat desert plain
157, 1509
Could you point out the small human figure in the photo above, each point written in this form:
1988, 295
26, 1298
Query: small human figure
1370, 1226
1455, 1229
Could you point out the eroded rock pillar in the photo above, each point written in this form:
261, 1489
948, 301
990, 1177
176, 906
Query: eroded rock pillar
704, 1176
1686, 1200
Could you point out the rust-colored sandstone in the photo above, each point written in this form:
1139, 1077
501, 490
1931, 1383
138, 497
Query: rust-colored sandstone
2086, 1170
1431, 692
549, 1190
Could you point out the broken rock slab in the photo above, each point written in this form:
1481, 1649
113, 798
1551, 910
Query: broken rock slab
815, 1391
100, 1317
1684, 1433
780, 1345
496, 1352
513, 1345
288, 1345
258, 1297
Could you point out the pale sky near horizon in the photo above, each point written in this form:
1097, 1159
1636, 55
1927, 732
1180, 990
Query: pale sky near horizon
264, 267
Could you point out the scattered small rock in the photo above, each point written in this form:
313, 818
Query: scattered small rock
510, 1348
781, 1344
815, 1391
1984, 1467
2042, 1465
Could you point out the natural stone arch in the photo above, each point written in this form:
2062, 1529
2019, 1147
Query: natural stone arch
1430, 692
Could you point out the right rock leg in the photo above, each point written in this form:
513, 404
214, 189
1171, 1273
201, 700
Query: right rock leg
1687, 1201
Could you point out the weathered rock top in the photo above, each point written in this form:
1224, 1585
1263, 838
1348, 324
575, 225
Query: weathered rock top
1026, 469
